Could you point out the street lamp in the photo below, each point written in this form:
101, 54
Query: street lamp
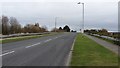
55, 23
82, 17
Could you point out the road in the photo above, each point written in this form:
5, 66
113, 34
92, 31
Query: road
45, 51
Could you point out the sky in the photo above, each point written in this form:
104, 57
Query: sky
98, 13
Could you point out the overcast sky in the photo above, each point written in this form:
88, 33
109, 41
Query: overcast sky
98, 13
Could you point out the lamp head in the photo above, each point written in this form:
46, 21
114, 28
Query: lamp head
79, 3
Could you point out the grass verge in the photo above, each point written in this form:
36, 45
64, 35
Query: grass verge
14, 39
108, 40
89, 53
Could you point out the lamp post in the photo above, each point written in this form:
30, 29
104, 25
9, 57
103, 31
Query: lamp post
55, 23
82, 17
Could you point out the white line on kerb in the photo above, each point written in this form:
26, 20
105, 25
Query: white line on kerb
70, 54
32, 45
7, 53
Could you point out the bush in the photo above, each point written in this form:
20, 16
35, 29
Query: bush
117, 42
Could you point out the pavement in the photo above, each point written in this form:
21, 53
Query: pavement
114, 48
45, 51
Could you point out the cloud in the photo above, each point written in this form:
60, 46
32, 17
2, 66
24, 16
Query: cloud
59, 0
97, 14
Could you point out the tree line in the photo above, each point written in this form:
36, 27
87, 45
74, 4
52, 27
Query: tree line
10, 25
66, 28
102, 32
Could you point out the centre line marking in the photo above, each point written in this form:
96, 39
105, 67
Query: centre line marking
47, 40
37, 44
7, 53
32, 45
55, 37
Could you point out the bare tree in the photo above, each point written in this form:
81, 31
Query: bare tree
30, 28
57, 30
12, 26
44, 29
27, 28
5, 25
15, 26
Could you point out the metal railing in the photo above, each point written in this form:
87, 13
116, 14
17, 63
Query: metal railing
107, 37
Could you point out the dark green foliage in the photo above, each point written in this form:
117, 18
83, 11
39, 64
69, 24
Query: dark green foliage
66, 28
60, 28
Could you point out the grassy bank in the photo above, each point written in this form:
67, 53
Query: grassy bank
24, 38
88, 53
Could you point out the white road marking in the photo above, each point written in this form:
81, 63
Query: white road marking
38, 43
32, 45
7, 53
48, 40
55, 37
28, 46
70, 54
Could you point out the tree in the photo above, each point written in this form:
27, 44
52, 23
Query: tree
15, 26
93, 31
37, 24
44, 29
34, 29
72, 31
66, 28
55, 29
103, 32
60, 28
28, 28
5, 25
31, 28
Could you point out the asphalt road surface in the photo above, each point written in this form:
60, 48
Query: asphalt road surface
45, 51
